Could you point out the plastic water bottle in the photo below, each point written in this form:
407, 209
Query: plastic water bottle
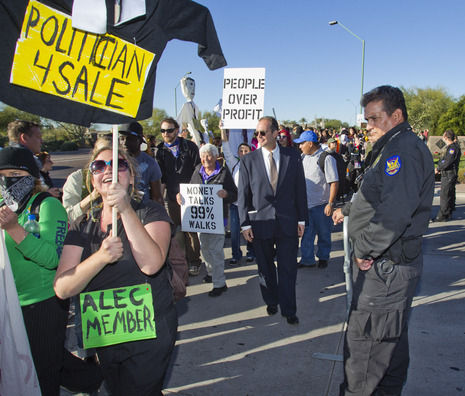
32, 226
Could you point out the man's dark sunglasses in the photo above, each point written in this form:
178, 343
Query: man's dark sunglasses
169, 130
261, 133
98, 166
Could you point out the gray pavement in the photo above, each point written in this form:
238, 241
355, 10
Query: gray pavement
229, 346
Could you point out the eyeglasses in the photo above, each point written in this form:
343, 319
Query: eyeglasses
169, 130
98, 166
261, 133
281, 137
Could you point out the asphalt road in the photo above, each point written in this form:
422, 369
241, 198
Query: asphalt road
66, 163
230, 346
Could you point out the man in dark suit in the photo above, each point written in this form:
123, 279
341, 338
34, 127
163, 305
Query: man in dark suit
273, 211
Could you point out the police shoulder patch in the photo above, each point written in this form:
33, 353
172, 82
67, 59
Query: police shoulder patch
393, 165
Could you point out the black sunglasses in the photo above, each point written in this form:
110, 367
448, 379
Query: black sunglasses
261, 133
98, 166
169, 130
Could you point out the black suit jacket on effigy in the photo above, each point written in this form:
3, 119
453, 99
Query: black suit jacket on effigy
165, 20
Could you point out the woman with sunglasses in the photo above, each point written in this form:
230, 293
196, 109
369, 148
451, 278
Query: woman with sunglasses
95, 260
285, 139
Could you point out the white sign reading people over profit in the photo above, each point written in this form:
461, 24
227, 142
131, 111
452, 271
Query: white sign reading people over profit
243, 97
201, 208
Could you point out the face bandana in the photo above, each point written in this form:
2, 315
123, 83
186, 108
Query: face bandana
16, 191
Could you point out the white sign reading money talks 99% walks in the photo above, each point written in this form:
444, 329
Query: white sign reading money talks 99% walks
201, 208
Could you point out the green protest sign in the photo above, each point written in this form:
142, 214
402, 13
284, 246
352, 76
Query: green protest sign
118, 315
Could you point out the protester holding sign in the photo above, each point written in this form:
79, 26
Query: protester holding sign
211, 245
127, 308
34, 259
234, 164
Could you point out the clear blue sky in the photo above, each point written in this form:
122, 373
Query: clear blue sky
313, 69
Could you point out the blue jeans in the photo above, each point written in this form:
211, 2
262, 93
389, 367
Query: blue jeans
318, 224
235, 232
235, 229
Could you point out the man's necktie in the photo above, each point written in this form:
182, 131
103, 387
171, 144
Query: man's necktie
273, 173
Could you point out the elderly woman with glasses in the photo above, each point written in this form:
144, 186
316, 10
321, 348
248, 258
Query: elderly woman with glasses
130, 267
209, 171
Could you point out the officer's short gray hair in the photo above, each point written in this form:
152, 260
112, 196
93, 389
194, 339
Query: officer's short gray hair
209, 148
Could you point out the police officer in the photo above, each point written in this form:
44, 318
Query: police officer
448, 166
387, 219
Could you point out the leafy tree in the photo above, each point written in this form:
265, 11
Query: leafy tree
74, 133
287, 122
213, 121
329, 123
425, 106
335, 124
453, 118
9, 114
152, 125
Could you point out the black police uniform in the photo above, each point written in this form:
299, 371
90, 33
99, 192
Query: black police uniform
387, 219
448, 166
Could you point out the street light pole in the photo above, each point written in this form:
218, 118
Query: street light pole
175, 94
331, 23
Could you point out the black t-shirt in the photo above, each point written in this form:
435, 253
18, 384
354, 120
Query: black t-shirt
125, 272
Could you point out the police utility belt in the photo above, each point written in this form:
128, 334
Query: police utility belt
410, 250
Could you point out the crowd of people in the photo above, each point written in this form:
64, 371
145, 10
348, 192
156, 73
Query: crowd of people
281, 187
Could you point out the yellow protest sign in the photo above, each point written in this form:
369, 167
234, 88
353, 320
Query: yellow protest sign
103, 71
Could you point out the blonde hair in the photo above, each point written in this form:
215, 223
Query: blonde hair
134, 193
38, 186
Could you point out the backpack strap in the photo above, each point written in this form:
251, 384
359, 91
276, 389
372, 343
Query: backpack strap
35, 205
321, 160
235, 165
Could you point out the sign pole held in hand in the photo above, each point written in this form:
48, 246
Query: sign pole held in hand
114, 178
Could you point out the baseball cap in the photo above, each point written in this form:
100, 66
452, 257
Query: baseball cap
19, 158
331, 140
132, 129
307, 136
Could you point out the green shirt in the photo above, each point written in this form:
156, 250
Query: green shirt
34, 260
